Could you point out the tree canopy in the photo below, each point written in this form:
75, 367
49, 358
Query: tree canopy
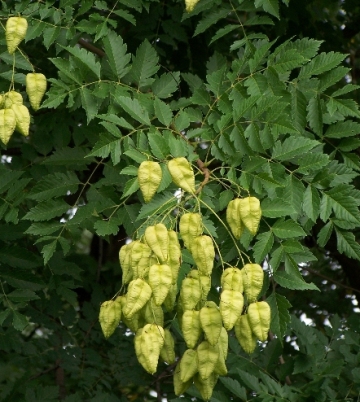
177, 143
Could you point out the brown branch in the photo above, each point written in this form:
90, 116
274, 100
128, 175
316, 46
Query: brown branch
60, 380
206, 173
90, 47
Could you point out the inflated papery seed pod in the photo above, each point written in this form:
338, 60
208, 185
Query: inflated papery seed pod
207, 355
12, 98
140, 254
231, 306
35, 88
190, 293
191, 327
206, 387
160, 280
233, 218
152, 313
220, 367
182, 174
188, 365
250, 213
190, 227
259, 315
174, 254
136, 321
2, 101
110, 316
231, 279
169, 302
167, 352
158, 240
15, 32
203, 252
7, 124
125, 263
149, 177
244, 334
139, 293
224, 342
211, 322
153, 338
22, 116
205, 284
253, 278
179, 386
138, 349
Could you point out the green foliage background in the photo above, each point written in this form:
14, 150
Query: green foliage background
262, 91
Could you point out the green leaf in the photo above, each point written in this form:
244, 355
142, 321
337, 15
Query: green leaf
347, 244
280, 317
106, 146
344, 207
343, 129
177, 146
108, 227
311, 205
347, 107
263, 246
293, 282
22, 295
145, 65
47, 210
234, 387
20, 322
166, 84
287, 229
90, 103
276, 208
211, 19
136, 155
162, 112
48, 251
54, 185
158, 205
315, 115
270, 6
87, 59
291, 147
134, 109
321, 63
325, 233
158, 145
131, 186
115, 50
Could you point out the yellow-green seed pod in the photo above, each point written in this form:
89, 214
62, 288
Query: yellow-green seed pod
169, 302
211, 322
12, 98
244, 334
233, 218
188, 365
15, 32
220, 367
167, 352
259, 315
22, 116
205, 284
160, 280
138, 349
179, 386
253, 278
179, 314
206, 387
152, 313
7, 124
158, 240
174, 254
2, 102
140, 254
231, 306
190, 293
231, 279
203, 252
110, 316
35, 88
125, 263
190, 227
207, 355
250, 213
153, 337
191, 327
136, 321
149, 176
139, 293
190, 5
182, 174
224, 342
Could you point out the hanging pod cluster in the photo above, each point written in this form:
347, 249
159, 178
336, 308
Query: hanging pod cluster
243, 213
15, 32
150, 176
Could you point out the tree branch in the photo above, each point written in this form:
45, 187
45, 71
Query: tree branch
206, 173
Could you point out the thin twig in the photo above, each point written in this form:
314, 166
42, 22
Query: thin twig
93, 49
206, 173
